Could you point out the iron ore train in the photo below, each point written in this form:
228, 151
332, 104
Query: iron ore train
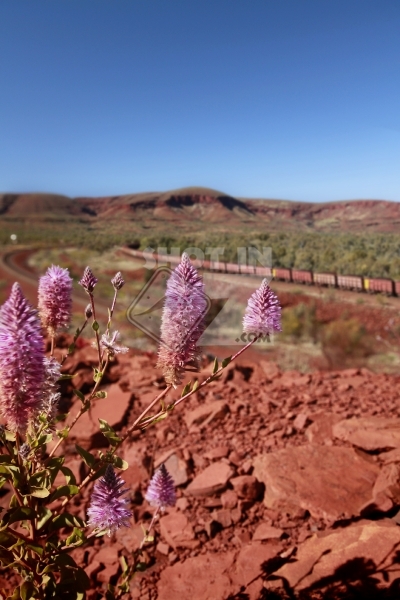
354, 283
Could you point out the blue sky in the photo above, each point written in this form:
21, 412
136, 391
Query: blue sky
295, 99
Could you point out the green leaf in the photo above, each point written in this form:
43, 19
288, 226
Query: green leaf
87, 458
95, 326
28, 591
36, 548
65, 520
215, 366
109, 432
71, 348
69, 476
44, 514
53, 466
186, 389
60, 417
40, 479
63, 433
101, 394
10, 435
77, 538
64, 490
45, 439
195, 385
77, 334
158, 419
120, 463
80, 395
66, 376
22, 513
97, 375
226, 361
124, 564
40, 492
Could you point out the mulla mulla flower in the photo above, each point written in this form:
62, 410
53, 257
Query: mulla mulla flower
22, 367
108, 509
109, 342
118, 281
182, 321
161, 491
88, 280
263, 312
55, 299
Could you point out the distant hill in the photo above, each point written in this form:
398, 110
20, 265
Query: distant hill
193, 204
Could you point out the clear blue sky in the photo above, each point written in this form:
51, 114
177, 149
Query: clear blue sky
296, 99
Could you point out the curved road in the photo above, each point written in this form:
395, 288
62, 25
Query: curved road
13, 267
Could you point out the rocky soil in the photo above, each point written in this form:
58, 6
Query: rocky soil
288, 485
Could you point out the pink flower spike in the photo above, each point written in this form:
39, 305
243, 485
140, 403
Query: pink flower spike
263, 312
55, 299
182, 322
108, 510
88, 280
161, 491
22, 367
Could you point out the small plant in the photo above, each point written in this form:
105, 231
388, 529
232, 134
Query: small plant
37, 531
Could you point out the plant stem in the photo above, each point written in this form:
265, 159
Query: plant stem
153, 520
148, 421
97, 331
81, 411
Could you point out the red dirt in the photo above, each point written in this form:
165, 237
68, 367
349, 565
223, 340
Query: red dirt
240, 529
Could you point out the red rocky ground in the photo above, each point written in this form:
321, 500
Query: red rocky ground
288, 484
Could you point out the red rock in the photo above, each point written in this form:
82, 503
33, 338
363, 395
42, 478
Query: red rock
267, 532
246, 486
177, 469
223, 517
92, 569
388, 483
203, 577
235, 458
270, 369
328, 482
130, 538
300, 421
135, 474
108, 553
250, 560
212, 480
229, 499
177, 531
369, 433
205, 413
319, 558
111, 570
162, 548
320, 431
113, 409
218, 452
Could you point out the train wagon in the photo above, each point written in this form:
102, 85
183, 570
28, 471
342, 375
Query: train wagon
263, 271
350, 282
326, 279
379, 285
300, 276
247, 269
232, 268
282, 274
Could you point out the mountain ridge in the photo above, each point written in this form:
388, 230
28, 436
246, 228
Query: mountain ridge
199, 204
